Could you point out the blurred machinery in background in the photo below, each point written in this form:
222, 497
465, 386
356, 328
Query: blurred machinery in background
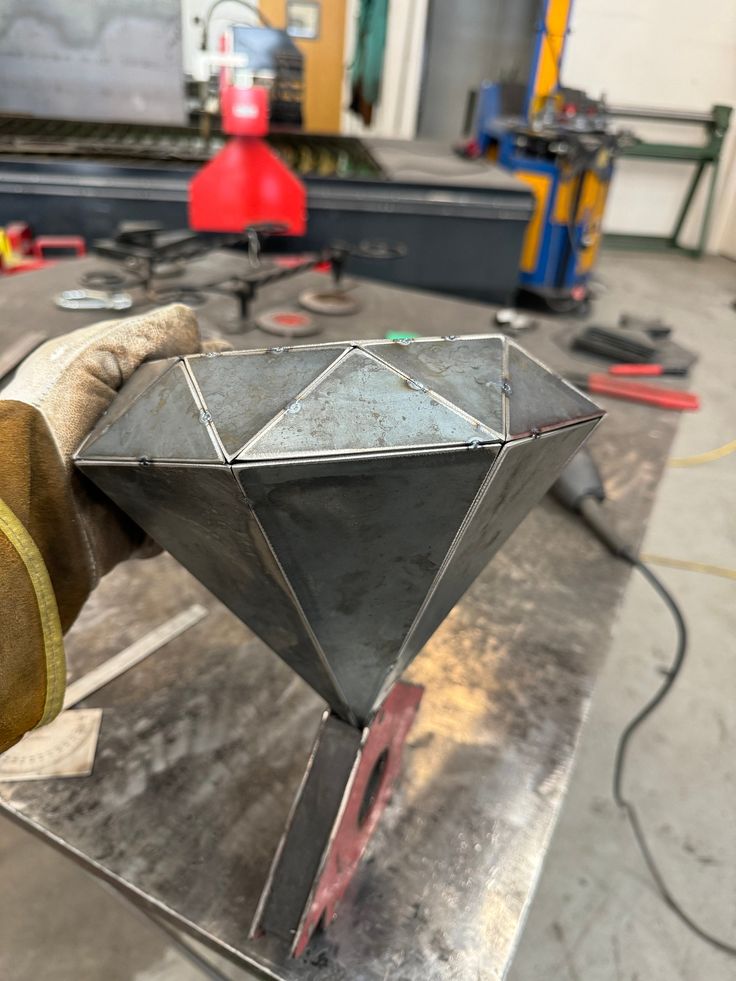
246, 185
560, 143
448, 225
266, 55
462, 221
703, 156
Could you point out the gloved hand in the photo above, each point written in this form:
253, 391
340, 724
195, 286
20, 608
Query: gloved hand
47, 507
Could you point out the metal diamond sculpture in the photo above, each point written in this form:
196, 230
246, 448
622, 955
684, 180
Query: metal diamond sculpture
339, 498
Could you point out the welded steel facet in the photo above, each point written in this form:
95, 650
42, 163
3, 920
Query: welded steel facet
339, 498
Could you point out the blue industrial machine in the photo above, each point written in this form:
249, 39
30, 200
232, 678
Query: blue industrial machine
558, 142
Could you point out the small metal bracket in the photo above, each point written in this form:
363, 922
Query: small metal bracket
348, 783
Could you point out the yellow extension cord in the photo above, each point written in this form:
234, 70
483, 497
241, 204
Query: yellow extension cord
698, 458
711, 570
28, 552
705, 567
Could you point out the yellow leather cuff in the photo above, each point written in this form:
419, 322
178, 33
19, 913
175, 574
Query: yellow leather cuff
26, 548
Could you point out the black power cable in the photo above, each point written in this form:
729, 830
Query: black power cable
669, 679
580, 489
623, 745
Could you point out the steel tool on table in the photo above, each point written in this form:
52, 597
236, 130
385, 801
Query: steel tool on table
644, 370
599, 383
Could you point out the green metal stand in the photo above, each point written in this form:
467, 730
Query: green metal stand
716, 125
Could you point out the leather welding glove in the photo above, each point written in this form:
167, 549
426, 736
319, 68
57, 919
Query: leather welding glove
58, 534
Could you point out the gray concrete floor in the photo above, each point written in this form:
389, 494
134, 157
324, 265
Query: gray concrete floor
596, 916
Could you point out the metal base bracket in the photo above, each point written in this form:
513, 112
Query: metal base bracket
347, 784
335, 302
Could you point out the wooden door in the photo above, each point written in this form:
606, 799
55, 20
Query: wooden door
323, 62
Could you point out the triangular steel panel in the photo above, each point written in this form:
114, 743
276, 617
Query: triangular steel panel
466, 371
361, 542
164, 423
243, 391
362, 405
139, 382
540, 400
524, 471
200, 515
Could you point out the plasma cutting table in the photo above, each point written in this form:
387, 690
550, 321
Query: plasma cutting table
202, 746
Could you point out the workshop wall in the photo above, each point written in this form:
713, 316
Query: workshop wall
229, 12
323, 63
665, 54
103, 61
467, 42
726, 242
396, 113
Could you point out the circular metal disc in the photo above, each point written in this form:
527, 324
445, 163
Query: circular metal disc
335, 303
287, 323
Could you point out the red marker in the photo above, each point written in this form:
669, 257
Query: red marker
644, 369
663, 398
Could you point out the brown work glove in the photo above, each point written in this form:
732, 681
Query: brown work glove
55, 399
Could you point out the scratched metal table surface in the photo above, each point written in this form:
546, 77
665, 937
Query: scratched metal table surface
203, 745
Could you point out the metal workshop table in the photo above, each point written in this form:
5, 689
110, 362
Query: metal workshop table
202, 746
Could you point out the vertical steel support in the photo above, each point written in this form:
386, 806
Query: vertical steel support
685, 208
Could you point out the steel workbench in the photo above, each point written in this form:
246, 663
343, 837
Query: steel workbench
202, 746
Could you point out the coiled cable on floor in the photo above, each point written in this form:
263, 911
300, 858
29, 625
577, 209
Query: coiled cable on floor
580, 489
623, 746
